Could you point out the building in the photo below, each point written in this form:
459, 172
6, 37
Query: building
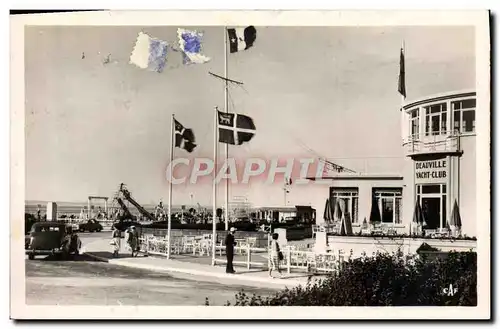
438, 140
299, 213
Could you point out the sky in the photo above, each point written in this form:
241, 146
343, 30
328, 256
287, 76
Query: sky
328, 91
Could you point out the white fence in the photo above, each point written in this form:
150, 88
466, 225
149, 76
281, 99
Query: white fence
294, 258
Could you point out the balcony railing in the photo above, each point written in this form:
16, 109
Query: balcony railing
446, 142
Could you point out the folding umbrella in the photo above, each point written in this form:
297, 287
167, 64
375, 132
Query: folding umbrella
455, 219
328, 214
375, 211
338, 211
418, 214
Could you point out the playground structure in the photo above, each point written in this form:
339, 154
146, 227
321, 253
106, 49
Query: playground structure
123, 195
90, 207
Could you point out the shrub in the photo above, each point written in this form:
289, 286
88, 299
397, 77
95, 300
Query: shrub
384, 280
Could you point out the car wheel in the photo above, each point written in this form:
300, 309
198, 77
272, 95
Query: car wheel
31, 256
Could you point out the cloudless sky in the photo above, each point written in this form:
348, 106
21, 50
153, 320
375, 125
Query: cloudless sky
91, 126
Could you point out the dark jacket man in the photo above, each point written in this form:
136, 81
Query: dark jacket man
230, 243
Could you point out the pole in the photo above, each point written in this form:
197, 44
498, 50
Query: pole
405, 122
214, 191
284, 194
169, 230
226, 146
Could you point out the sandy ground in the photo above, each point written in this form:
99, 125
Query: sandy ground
86, 282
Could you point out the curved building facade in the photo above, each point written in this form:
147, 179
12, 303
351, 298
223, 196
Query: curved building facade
439, 140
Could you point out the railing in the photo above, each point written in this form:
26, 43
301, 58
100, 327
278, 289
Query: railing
295, 258
310, 261
445, 142
328, 228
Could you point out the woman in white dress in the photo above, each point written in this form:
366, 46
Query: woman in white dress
116, 241
275, 256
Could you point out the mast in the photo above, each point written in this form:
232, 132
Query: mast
226, 146
214, 190
169, 230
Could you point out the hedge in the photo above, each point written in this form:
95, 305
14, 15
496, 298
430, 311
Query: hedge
383, 280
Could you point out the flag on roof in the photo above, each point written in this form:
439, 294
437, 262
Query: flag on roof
401, 80
149, 53
184, 137
235, 129
190, 43
241, 38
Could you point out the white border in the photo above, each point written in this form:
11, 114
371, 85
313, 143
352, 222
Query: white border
258, 18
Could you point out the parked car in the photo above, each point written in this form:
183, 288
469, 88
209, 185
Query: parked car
91, 226
52, 238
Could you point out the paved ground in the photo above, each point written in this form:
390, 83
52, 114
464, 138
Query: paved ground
189, 266
87, 282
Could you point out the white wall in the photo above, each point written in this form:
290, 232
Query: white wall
365, 187
467, 186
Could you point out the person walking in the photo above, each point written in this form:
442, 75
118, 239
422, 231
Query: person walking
275, 256
116, 241
230, 243
132, 240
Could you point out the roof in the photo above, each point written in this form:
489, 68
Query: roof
50, 223
359, 176
282, 209
439, 97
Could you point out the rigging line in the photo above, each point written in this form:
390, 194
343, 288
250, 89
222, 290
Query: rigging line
225, 79
231, 100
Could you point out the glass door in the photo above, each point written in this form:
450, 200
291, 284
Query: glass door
431, 208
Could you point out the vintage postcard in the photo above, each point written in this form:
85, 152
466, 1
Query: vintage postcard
182, 164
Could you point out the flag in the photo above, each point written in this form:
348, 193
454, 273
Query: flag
241, 38
190, 44
235, 129
401, 80
149, 53
184, 138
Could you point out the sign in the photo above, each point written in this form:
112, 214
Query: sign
431, 171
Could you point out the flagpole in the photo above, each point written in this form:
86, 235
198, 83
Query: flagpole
405, 122
169, 230
214, 191
226, 146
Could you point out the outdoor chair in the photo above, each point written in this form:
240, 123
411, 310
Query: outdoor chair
326, 262
252, 242
188, 244
311, 262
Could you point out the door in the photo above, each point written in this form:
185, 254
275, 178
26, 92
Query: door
431, 208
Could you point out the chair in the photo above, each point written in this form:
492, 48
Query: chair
188, 244
311, 262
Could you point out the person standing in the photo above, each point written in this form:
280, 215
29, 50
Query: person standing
116, 241
275, 256
230, 243
132, 240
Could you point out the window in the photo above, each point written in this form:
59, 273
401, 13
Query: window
414, 123
432, 199
464, 116
435, 119
349, 196
390, 204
